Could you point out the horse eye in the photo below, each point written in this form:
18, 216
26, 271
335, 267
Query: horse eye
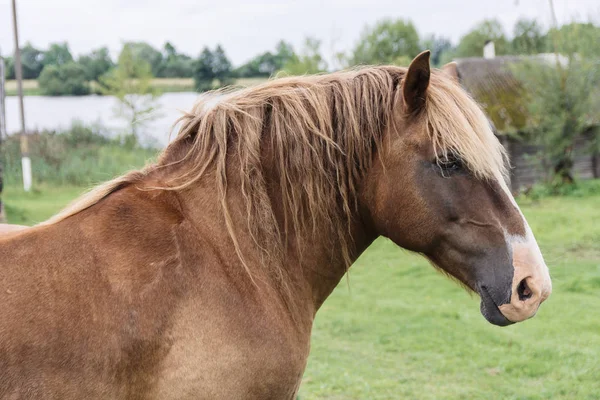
450, 162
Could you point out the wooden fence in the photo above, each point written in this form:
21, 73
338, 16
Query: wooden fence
528, 167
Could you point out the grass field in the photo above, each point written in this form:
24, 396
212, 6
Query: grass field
404, 331
30, 87
163, 85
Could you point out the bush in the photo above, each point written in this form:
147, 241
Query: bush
67, 79
178, 68
576, 189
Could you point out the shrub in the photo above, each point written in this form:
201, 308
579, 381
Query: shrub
67, 79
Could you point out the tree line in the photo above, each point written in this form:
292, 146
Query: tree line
561, 98
389, 41
165, 63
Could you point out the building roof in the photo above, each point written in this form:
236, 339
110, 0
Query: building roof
492, 83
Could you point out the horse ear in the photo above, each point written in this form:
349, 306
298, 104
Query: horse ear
416, 82
451, 69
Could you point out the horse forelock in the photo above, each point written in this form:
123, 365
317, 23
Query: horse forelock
457, 124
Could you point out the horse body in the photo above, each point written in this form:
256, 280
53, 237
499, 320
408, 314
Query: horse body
76, 322
200, 276
168, 318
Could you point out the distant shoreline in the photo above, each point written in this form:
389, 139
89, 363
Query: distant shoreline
162, 85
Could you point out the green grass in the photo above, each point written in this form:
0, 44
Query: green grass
38, 205
30, 88
404, 331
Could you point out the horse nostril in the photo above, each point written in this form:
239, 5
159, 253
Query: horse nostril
523, 291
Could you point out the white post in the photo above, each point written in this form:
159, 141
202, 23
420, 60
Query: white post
489, 50
26, 165
25, 161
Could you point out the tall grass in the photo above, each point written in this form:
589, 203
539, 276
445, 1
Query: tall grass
80, 156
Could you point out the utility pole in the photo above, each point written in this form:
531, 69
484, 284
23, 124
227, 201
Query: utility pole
555, 34
2, 99
2, 132
25, 160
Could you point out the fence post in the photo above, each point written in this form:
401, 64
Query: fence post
596, 164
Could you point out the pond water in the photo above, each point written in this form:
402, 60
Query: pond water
55, 113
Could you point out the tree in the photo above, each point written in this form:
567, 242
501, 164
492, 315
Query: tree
308, 61
528, 37
262, 65
66, 79
57, 54
211, 66
96, 63
284, 52
176, 65
471, 44
203, 73
267, 63
386, 41
170, 51
9, 68
562, 95
31, 61
180, 67
144, 51
131, 83
221, 66
576, 37
439, 46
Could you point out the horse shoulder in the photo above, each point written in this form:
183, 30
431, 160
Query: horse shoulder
230, 340
132, 287
93, 293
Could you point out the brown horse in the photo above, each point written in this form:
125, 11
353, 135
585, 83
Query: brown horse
199, 277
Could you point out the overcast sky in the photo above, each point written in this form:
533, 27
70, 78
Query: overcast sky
246, 27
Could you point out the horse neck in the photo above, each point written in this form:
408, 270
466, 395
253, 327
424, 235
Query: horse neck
313, 263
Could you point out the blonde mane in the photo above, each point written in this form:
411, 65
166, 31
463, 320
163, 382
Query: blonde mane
322, 133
